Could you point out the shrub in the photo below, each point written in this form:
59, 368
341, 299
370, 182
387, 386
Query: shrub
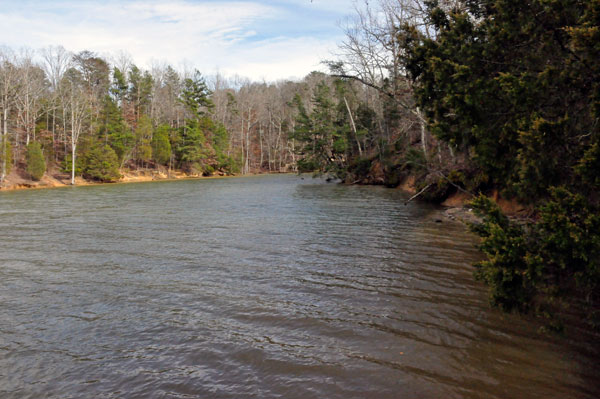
229, 164
540, 265
36, 164
415, 160
360, 167
306, 165
101, 163
394, 176
161, 146
506, 270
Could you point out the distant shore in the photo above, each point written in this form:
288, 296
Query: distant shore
456, 205
54, 179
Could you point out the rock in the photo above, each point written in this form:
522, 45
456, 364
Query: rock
464, 215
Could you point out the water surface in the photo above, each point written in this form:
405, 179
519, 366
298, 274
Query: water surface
261, 287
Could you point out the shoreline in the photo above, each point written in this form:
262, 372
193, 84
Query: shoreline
14, 182
454, 207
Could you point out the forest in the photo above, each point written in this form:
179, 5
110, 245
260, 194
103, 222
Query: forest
93, 117
487, 98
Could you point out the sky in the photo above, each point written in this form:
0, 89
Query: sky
259, 39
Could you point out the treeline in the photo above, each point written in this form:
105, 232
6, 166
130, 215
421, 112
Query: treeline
95, 117
483, 97
91, 118
365, 124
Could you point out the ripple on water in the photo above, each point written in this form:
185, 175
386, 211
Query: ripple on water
257, 287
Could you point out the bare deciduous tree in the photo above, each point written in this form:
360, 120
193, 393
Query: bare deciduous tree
8, 91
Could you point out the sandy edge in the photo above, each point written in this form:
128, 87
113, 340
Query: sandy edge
15, 182
455, 207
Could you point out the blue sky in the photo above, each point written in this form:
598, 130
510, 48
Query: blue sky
260, 39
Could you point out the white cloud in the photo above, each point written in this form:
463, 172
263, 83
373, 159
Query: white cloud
249, 38
279, 58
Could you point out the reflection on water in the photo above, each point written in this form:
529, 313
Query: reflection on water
257, 287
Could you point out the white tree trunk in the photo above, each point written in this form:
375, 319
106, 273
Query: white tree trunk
353, 127
422, 122
73, 147
3, 143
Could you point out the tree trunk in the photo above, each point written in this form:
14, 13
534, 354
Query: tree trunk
247, 167
260, 140
27, 127
422, 122
242, 145
3, 143
64, 132
73, 143
73, 147
54, 133
353, 127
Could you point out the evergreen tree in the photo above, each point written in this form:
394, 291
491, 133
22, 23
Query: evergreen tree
119, 85
220, 143
323, 133
516, 85
143, 138
193, 153
36, 163
509, 81
196, 96
114, 131
101, 163
140, 90
161, 146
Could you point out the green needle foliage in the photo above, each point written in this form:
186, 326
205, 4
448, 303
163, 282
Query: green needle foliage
143, 134
516, 85
102, 164
36, 163
161, 146
546, 264
192, 150
324, 134
114, 130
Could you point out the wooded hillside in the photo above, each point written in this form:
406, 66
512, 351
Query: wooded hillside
507, 98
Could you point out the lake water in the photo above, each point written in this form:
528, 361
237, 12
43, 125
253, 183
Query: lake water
259, 287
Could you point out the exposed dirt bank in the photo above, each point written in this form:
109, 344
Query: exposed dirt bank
18, 180
457, 204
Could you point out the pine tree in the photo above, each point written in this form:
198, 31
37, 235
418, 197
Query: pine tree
143, 138
324, 133
517, 86
114, 131
161, 146
101, 163
36, 163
